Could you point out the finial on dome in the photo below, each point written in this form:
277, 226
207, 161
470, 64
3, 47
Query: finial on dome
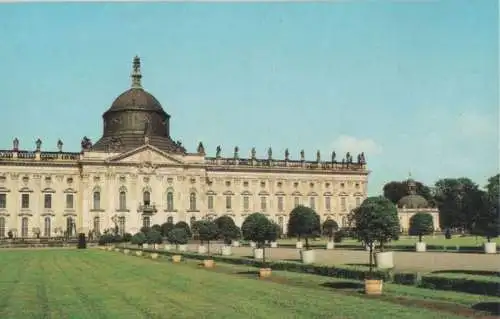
136, 73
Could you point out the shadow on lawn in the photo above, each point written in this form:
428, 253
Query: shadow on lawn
468, 272
343, 285
491, 307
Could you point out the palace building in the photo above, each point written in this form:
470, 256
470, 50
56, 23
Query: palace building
136, 175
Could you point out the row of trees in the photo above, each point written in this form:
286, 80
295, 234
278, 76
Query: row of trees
462, 204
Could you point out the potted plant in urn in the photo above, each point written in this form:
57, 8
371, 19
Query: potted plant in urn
178, 237
153, 237
202, 249
330, 227
421, 224
228, 231
208, 231
259, 229
375, 220
138, 239
304, 223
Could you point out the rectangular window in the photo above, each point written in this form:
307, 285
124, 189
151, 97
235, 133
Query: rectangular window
121, 225
358, 201
47, 201
296, 201
210, 202
122, 200
263, 203
246, 203
228, 202
69, 201
342, 204
3, 200
312, 202
280, 203
170, 201
328, 203
25, 201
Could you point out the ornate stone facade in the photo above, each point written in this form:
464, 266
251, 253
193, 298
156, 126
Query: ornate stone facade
156, 180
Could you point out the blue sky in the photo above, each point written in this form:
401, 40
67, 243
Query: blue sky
413, 84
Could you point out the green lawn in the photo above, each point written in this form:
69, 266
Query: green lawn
99, 284
407, 240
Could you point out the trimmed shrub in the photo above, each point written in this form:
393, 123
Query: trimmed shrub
82, 242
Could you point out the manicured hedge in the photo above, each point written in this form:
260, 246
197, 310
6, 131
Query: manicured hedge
410, 248
437, 282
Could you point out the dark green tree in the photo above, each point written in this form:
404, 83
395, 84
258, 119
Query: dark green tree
376, 219
259, 229
395, 190
228, 231
330, 227
184, 226
153, 236
156, 227
208, 231
487, 223
165, 228
138, 239
178, 236
304, 223
421, 224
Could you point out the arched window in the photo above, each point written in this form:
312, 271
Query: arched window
280, 203
170, 201
123, 200
192, 201
70, 225
121, 224
24, 227
228, 202
328, 203
97, 225
344, 221
146, 198
97, 200
146, 222
46, 227
210, 202
170, 220
192, 220
2, 227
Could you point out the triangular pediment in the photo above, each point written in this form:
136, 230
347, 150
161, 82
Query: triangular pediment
145, 154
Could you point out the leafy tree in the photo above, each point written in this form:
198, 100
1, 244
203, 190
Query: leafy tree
178, 236
127, 237
395, 190
375, 220
184, 226
304, 223
487, 222
82, 242
156, 227
459, 201
228, 230
421, 224
259, 229
145, 229
207, 230
330, 227
165, 228
153, 236
138, 239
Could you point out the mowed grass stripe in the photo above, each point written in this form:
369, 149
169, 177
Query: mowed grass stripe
97, 284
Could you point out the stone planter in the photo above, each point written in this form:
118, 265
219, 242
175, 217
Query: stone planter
236, 243
126, 251
274, 244
208, 263
117, 250
420, 247
252, 244
299, 245
176, 258
110, 248
307, 256
258, 253
264, 272
385, 260
138, 252
373, 287
490, 248
202, 249
145, 246
225, 251
183, 247
154, 256
330, 245
167, 247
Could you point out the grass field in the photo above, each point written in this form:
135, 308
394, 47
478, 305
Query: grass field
408, 241
98, 284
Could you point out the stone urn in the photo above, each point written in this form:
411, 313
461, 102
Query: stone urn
384, 260
235, 243
307, 256
299, 245
274, 244
208, 263
126, 251
145, 246
373, 287
490, 248
202, 249
225, 250
330, 245
252, 244
138, 252
176, 258
258, 253
154, 256
264, 272
420, 247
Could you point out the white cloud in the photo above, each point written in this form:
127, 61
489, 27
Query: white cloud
354, 145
